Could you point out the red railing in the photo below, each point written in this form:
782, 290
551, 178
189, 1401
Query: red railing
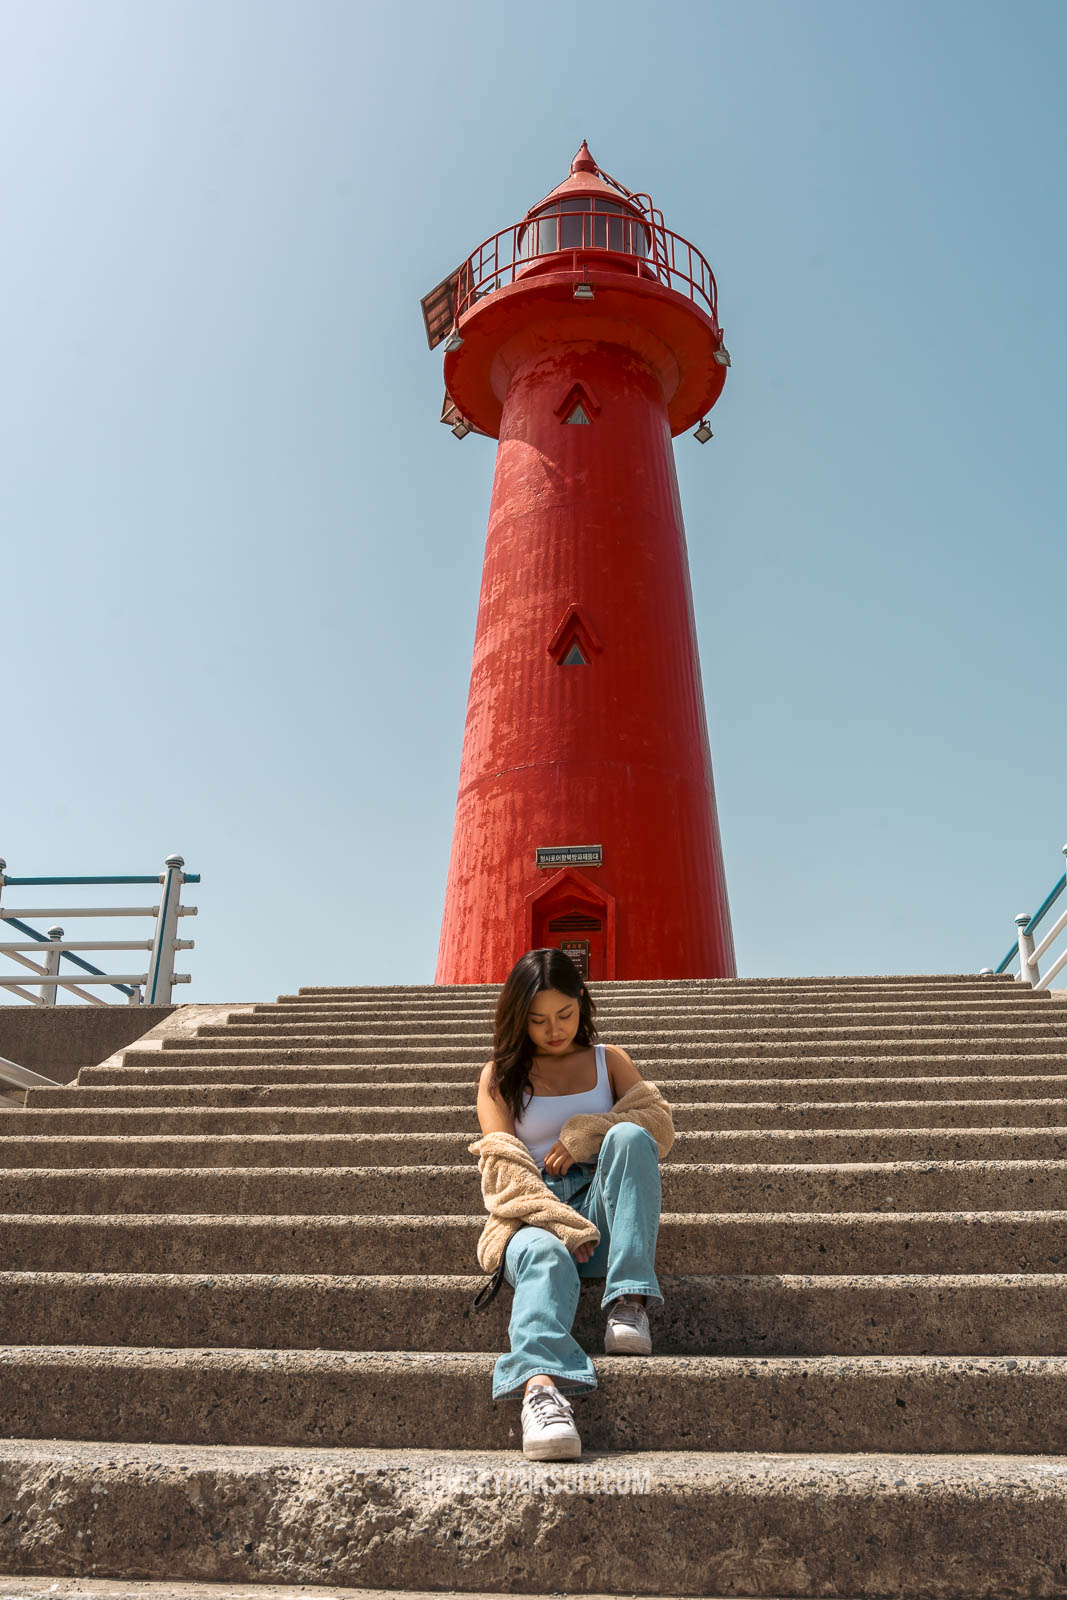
620, 236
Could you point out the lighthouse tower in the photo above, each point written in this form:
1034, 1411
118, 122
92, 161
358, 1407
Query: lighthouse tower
584, 338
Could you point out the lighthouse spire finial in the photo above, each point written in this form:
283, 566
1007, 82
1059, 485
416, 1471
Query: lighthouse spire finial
583, 161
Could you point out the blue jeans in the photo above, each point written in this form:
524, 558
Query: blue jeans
620, 1193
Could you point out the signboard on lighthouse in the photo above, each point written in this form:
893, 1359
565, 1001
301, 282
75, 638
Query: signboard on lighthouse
583, 339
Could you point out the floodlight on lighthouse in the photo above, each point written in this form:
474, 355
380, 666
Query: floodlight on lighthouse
461, 427
722, 356
454, 340
583, 291
703, 433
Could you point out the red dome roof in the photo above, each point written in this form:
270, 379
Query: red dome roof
584, 179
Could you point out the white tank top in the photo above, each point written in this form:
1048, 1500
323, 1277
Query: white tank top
539, 1127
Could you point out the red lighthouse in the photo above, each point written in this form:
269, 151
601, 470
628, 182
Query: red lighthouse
584, 338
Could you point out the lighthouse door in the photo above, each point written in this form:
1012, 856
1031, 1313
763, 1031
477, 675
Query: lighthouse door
580, 936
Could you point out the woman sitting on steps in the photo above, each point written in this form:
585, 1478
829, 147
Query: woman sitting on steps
544, 1043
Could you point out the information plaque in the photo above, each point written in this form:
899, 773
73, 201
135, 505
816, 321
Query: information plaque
570, 855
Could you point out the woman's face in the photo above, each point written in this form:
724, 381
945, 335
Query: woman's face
553, 1022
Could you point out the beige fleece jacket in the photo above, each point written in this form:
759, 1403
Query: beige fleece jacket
515, 1193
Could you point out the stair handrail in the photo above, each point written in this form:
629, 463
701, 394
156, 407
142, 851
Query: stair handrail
12, 1076
140, 988
1029, 954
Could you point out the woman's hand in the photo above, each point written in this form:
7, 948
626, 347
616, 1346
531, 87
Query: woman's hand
558, 1159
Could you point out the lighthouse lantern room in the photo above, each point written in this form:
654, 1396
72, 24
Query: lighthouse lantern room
583, 339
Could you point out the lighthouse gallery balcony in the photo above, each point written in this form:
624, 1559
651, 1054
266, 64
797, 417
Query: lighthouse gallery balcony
593, 232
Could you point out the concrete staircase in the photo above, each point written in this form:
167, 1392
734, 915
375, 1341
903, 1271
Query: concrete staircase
236, 1344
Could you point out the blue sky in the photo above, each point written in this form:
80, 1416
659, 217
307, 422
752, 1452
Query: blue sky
242, 557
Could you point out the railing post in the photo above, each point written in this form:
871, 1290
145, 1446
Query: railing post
1028, 972
161, 964
50, 991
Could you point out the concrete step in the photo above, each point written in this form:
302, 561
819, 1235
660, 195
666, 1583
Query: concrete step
667, 1004
310, 1091
613, 1016
342, 1399
845, 1242
145, 1589
15, 1588
389, 1020
639, 1033
736, 1146
1021, 1001
773, 1314
31, 1588
654, 1044
605, 1001
650, 986
616, 1023
951, 1526
249, 1067
689, 1117
454, 1190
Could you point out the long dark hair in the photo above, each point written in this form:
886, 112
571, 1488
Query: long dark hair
513, 1049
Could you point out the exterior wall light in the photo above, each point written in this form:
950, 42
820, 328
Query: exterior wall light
583, 291
703, 433
461, 428
722, 356
454, 340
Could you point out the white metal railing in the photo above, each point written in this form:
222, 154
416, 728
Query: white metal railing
1028, 954
140, 988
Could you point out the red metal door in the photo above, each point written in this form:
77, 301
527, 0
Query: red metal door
581, 936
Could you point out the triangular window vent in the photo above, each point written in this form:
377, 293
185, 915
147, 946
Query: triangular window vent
579, 404
575, 642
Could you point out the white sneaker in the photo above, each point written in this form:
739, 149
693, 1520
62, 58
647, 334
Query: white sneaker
548, 1431
627, 1330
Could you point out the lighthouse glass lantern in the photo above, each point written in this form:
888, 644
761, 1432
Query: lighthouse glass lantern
583, 222
583, 339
